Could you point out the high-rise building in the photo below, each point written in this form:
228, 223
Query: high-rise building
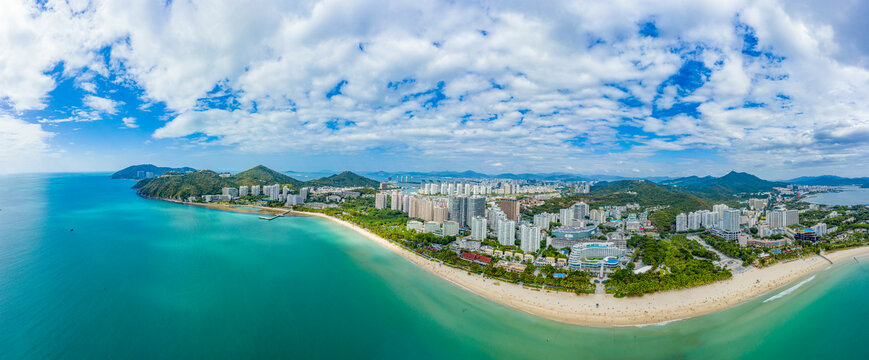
529, 237
730, 221
580, 210
708, 219
273, 192
441, 214
820, 229
230, 191
430, 227
243, 190
694, 220
507, 232
380, 200
395, 201
450, 228
542, 221
510, 207
776, 219
476, 207
565, 217
458, 206
681, 222
255, 190
792, 217
414, 225
719, 208
303, 192
478, 228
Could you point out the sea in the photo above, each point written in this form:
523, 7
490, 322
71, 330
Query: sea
848, 196
89, 270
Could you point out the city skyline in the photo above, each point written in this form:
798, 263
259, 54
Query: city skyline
628, 89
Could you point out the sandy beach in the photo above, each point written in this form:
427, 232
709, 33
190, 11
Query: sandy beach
648, 309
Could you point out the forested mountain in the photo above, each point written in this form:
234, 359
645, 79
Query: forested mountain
731, 184
345, 179
828, 180
176, 185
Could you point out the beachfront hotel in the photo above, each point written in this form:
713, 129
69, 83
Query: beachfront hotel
594, 255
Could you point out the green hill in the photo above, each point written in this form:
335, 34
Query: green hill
132, 172
174, 185
728, 185
345, 179
647, 193
181, 186
261, 175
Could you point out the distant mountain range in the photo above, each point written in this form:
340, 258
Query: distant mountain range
132, 172
725, 186
202, 182
828, 180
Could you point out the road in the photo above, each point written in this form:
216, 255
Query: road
732, 264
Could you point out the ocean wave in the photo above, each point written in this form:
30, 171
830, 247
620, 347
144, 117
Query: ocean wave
662, 323
790, 290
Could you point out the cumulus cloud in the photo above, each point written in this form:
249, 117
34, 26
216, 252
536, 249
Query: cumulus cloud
104, 105
756, 83
130, 122
24, 144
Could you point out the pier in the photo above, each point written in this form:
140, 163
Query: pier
270, 218
825, 258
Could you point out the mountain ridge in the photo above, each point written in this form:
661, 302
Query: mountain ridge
203, 182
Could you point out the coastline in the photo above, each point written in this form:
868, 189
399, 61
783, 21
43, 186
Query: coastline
650, 309
583, 310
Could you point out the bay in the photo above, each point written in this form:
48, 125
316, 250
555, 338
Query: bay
848, 196
89, 270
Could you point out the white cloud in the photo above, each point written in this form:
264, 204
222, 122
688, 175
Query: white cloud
24, 144
104, 105
537, 85
130, 122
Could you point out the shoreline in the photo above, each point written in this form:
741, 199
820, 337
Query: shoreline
567, 307
650, 309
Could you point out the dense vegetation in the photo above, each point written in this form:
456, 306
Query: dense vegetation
180, 186
677, 263
173, 185
346, 179
731, 184
132, 172
732, 249
261, 175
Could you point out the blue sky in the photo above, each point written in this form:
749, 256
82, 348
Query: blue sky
624, 88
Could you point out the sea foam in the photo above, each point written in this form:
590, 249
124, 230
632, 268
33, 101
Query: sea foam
790, 290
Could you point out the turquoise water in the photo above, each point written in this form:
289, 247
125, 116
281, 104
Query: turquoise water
146, 279
849, 196
248, 208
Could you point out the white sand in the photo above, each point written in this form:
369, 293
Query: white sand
649, 309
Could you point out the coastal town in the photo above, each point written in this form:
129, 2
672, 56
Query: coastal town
570, 236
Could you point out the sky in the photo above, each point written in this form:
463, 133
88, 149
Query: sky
632, 88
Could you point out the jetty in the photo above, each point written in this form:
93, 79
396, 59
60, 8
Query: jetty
270, 218
825, 258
